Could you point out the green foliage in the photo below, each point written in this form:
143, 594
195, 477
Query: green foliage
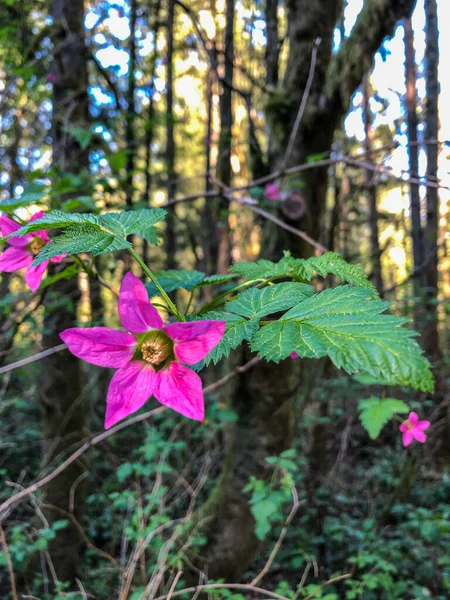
94, 233
255, 304
173, 279
376, 412
34, 193
329, 263
238, 330
345, 324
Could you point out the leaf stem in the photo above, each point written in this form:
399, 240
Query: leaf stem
171, 306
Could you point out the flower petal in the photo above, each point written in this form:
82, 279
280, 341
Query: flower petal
135, 311
42, 234
423, 425
419, 435
130, 388
407, 437
295, 355
413, 418
8, 226
180, 388
100, 345
57, 259
33, 275
194, 340
13, 259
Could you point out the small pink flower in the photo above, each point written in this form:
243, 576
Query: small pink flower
51, 78
295, 355
151, 360
272, 192
413, 429
23, 250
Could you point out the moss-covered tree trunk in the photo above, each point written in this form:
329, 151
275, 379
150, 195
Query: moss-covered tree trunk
61, 391
262, 401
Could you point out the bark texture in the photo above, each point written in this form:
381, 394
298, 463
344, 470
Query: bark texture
265, 414
61, 393
170, 140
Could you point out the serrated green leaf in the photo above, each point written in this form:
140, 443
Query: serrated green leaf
81, 239
216, 279
376, 412
172, 279
345, 324
256, 303
93, 233
305, 269
238, 330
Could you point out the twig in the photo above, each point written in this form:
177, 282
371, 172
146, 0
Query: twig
223, 586
301, 110
106, 434
174, 584
281, 537
329, 582
32, 359
8, 562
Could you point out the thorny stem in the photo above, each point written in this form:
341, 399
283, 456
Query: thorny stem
173, 309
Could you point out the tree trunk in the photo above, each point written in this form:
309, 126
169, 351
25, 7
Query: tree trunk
226, 133
61, 394
170, 141
413, 153
371, 189
431, 337
130, 133
264, 411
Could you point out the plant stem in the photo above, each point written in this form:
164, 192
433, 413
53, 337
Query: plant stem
171, 306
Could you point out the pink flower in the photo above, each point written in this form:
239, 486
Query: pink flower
413, 429
295, 355
272, 192
23, 250
51, 78
150, 359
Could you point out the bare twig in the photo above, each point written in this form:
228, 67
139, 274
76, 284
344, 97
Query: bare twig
301, 110
106, 434
328, 582
281, 537
9, 563
223, 586
32, 359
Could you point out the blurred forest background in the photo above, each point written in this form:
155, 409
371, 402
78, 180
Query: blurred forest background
196, 105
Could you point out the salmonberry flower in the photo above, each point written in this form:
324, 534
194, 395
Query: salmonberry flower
295, 355
150, 359
23, 250
272, 192
413, 429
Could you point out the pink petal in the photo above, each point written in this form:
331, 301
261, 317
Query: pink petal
419, 435
194, 340
422, 425
413, 418
295, 355
33, 275
403, 427
135, 311
100, 345
57, 259
42, 234
180, 388
7, 226
407, 437
14, 259
130, 388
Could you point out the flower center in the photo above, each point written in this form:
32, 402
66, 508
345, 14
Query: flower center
156, 348
36, 245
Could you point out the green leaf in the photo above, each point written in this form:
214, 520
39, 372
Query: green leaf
255, 303
262, 511
216, 279
329, 263
172, 279
94, 233
238, 330
345, 324
376, 412
33, 194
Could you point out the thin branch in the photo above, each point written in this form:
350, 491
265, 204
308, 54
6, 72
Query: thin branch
280, 540
223, 586
32, 359
328, 582
301, 110
9, 563
106, 434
